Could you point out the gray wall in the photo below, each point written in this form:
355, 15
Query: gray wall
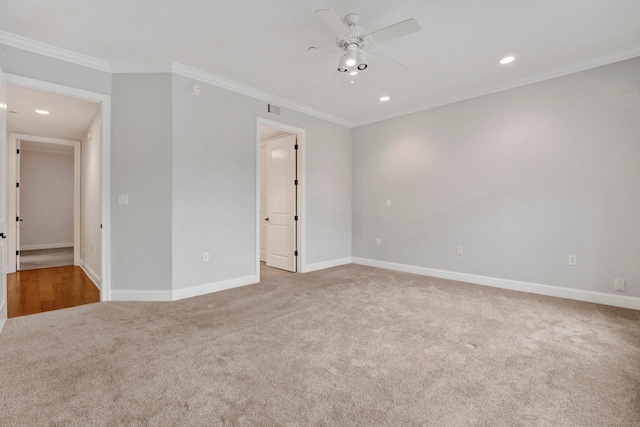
214, 184
213, 152
141, 167
46, 199
90, 198
521, 179
40, 67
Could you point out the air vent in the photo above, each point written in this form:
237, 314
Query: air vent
273, 109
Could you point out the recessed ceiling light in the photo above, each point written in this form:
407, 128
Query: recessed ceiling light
352, 81
42, 112
507, 60
353, 73
384, 98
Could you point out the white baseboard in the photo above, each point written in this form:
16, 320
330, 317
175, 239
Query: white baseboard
90, 273
515, 285
140, 295
178, 294
46, 246
326, 264
194, 291
2, 322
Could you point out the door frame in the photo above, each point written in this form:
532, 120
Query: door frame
301, 239
12, 206
105, 165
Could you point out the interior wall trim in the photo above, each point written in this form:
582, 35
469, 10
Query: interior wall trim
214, 80
54, 52
46, 246
599, 62
207, 288
327, 264
514, 285
90, 274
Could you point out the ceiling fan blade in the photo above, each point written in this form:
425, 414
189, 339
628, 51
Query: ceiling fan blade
396, 30
332, 21
387, 61
308, 53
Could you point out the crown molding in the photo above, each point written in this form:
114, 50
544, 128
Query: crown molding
599, 62
214, 80
183, 70
54, 52
132, 68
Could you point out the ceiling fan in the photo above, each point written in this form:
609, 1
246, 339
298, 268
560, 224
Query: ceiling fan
355, 42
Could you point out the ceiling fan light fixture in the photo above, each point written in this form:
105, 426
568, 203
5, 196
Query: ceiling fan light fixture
352, 52
362, 61
342, 65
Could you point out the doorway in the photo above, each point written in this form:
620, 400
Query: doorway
280, 190
47, 202
74, 129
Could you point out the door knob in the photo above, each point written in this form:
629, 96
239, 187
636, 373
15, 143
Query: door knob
3, 236
267, 219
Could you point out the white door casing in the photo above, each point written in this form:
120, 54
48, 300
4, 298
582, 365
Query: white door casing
18, 217
13, 209
105, 165
263, 201
281, 203
3, 229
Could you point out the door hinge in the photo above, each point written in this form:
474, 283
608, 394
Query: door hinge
295, 182
17, 218
295, 218
100, 225
295, 253
17, 185
295, 147
17, 252
18, 151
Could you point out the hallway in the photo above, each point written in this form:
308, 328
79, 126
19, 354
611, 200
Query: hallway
46, 289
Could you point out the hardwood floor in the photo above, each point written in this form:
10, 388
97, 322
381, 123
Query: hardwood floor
36, 291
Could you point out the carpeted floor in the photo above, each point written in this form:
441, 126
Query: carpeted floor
267, 272
45, 258
351, 345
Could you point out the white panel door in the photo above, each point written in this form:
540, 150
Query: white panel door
3, 229
281, 203
18, 218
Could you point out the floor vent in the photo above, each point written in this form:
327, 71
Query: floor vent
273, 109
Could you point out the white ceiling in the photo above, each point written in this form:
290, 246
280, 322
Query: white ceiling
69, 118
454, 56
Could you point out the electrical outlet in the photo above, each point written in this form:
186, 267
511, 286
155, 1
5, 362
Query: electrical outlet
388, 202
123, 199
573, 260
378, 242
205, 256
459, 250
621, 285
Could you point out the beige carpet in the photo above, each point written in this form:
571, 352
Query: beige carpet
45, 258
271, 273
351, 345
